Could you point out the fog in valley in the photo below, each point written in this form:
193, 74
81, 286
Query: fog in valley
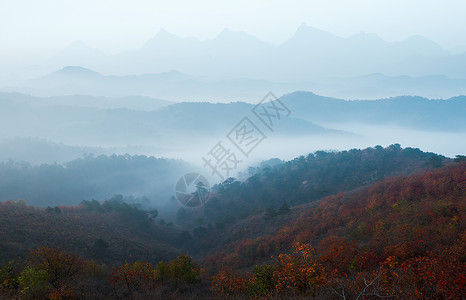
137, 115
140, 146
232, 149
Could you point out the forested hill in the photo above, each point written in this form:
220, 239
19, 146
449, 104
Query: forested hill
316, 226
90, 177
401, 237
309, 178
374, 215
110, 232
272, 188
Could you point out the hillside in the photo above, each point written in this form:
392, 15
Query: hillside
309, 178
111, 233
401, 237
266, 150
397, 235
419, 200
149, 182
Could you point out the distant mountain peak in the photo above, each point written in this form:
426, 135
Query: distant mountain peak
164, 33
75, 71
303, 26
421, 45
228, 34
78, 44
305, 34
305, 29
421, 40
164, 38
174, 74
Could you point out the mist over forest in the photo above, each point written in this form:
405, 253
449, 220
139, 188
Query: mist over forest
184, 151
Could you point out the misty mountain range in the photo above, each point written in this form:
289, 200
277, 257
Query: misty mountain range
177, 86
67, 126
310, 53
406, 111
237, 66
98, 126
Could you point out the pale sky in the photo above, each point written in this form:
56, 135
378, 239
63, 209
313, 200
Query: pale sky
33, 27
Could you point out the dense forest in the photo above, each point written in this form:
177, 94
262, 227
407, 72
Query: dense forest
308, 178
359, 224
401, 237
89, 177
232, 150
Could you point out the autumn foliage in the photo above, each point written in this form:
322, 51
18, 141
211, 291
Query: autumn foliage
403, 237
135, 276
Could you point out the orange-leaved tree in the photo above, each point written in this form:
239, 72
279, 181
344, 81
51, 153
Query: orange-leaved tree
299, 271
227, 283
135, 276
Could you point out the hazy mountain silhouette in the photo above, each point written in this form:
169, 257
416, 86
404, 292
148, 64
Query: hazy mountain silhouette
310, 53
237, 66
160, 128
408, 111
182, 124
128, 102
177, 86
313, 53
72, 73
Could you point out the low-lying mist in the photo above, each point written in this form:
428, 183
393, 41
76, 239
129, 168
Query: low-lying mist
61, 151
